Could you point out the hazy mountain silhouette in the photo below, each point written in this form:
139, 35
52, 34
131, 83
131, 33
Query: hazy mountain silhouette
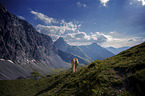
63, 46
88, 52
117, 50
95, 51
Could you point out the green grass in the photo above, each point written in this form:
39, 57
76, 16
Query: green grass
120, 75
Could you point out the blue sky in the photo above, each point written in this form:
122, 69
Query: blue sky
114, 23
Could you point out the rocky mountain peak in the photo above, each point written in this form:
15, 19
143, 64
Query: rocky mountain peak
60, 40
94, 44
61, 44
3, 8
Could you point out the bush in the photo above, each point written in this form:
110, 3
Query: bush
36, 75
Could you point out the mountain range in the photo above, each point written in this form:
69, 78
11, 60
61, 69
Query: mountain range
23, 49
120, 75
117, 50
96, 52
88, 52
63, 46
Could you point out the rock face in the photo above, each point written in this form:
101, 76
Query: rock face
22, 44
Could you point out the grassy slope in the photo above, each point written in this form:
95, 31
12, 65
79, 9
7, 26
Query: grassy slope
123, 74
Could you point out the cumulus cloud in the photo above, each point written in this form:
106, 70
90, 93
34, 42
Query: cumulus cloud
68, 36
43, 17
136, 39
64, 27
82, 38
105, 40
70, 32
68, 26
21, 17
79, 4
47, 29
60, 26
121, 42
104, 2
113, 32
100, 37
53, 26
80, 35
142, 1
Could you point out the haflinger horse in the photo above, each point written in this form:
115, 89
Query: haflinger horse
75, 63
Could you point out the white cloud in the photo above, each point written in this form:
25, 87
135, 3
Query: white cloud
68, 26
21, 17
121, 42
113, 32
69, 36
79, 4
54, 37
116, 34
58, 26
70, 32
63, 28
80, 35
47, 29
104, 2
100, 37
142, 1
44, 18
82, 38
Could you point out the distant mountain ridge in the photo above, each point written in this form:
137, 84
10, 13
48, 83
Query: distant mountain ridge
67, 57
117, 50
88, 52
95, 51
63, 46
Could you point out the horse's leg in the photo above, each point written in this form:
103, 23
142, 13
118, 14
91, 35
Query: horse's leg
74, 68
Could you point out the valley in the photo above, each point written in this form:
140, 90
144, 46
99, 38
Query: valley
120, 75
